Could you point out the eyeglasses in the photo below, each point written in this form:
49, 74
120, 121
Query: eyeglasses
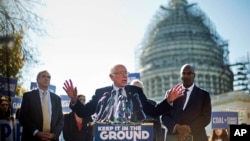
121, 73
45, 76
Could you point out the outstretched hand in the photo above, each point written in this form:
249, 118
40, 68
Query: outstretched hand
174, 93
70, 90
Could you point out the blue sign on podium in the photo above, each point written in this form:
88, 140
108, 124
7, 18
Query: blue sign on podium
123, 132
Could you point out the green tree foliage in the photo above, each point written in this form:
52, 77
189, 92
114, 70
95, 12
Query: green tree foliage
12, 58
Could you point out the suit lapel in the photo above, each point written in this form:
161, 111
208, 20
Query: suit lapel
109, 89
37, 103
192, 96
37, 100
129, 93
53, 107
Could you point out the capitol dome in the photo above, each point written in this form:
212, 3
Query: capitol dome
181, 33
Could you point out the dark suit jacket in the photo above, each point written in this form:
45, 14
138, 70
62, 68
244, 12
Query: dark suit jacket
158, 130
149, 108
197, 114
71, 132
31, 117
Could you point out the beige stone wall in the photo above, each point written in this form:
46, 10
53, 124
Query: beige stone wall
236, 101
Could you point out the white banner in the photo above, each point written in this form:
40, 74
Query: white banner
9, 128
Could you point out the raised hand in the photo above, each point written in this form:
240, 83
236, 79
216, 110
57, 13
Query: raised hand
174, 93
70, 90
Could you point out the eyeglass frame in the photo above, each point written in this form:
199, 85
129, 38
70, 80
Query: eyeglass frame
121, 73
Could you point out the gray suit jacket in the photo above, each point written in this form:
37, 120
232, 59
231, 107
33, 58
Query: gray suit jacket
31, 117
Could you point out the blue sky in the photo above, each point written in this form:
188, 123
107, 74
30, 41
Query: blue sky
87, 37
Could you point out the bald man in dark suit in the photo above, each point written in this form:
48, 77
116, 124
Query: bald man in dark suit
189, 117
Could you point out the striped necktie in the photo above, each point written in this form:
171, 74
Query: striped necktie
184, 97
119, 92
46, 118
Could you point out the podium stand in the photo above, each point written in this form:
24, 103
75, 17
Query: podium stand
124, 131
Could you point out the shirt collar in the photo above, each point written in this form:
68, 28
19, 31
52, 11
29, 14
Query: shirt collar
41, 91
189, 88
116, 88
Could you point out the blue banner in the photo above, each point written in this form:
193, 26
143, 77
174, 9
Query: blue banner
52, 88
11, 130
33, 85
224, 119
16, 103
132, 76
124, 132
8, 86
65, 100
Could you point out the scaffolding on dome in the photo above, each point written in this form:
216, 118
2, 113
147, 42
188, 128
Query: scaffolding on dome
164, 13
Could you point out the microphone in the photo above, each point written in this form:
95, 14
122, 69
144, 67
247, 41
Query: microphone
100, 105
109, 107
129, 109
136, 95
104, 96
120, 112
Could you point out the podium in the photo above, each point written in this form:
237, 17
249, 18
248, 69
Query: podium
124, 131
